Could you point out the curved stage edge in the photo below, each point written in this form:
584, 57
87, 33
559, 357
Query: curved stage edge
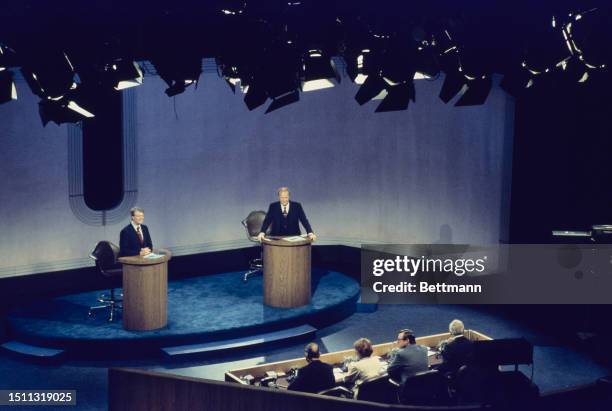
218, 307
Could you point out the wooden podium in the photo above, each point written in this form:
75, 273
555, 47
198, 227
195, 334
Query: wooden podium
286, 268
145, 291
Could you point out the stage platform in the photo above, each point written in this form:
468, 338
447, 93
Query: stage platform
213, 308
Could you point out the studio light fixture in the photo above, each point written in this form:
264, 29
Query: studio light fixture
126, 74
318, 71
476, 91
398, 97
8, 91
49, 74
255, 96
178, 73
373, 88
62, 110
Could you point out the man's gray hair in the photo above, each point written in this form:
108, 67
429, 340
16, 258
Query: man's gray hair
456, 327
134, 210
282, 189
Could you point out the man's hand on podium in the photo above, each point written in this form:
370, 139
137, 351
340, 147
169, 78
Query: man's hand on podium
312, 236
145, 251
260, 237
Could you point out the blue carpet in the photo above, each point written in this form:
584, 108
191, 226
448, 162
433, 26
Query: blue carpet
556, 365
199, 309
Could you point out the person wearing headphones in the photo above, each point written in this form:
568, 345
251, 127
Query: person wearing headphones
457, 350
314, 377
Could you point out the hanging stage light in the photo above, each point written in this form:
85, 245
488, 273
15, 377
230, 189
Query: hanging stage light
78, 104
318, 72
453, 85
477, 91
255, 95
8, 92
178, 73
373, 88
48, 73
62, 111
398, 97
126, 74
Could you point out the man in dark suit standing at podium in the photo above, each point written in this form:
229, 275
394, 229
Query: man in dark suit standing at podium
135, 239
285, 218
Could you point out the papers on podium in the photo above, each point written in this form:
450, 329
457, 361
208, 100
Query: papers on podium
152, 256
294, 238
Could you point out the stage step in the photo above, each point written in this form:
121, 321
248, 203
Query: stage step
288, 334
32, 352
366, 308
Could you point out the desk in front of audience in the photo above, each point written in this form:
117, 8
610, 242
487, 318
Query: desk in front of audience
278, 374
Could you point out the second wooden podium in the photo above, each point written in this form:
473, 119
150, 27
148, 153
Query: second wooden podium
286, 267
145, 291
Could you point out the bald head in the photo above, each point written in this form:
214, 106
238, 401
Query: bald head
311, 352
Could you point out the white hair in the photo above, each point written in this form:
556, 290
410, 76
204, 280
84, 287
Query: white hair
456, 327
283, 189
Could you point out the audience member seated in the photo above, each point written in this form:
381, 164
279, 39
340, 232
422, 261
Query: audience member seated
316, 375
409, 359
457, 350
368, 365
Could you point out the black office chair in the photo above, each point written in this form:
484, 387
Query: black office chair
425, 388
377, 389
105, 255
252, 225
339, 392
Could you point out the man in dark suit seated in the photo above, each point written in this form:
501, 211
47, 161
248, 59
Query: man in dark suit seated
135, 239
285, 218
314, 377
457, 350
409, 358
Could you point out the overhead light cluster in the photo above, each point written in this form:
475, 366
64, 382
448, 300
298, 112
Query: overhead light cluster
68, 95
572, 51
272, 53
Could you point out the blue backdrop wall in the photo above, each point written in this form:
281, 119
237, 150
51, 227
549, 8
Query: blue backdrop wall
203, 161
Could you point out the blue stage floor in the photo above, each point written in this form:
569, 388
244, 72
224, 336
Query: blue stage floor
200, 309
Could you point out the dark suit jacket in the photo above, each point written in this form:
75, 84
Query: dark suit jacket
282, 226
129, 243
314, 377
408, 361
455, 353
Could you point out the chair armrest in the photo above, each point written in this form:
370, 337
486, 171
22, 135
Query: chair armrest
339, 390
394, 383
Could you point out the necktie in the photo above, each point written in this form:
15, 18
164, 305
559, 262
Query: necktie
140, 237
284, 211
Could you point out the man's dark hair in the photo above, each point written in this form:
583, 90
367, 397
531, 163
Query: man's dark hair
411, 339
311, 351
406, 333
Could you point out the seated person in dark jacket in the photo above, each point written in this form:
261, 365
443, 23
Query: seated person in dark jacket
135, 239
314, 377
409, 358
457, 350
